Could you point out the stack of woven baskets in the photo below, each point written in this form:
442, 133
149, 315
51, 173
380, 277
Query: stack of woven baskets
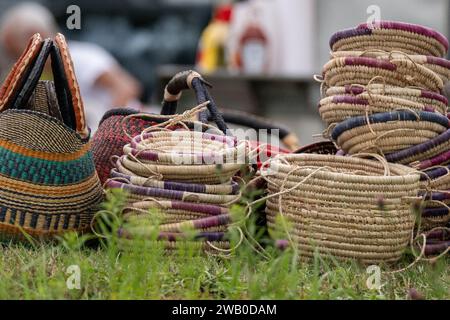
383, 94
180, 181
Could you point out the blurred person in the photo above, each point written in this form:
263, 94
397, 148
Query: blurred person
104, 84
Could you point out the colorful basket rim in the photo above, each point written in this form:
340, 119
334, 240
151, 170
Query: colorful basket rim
366, 29
358, 89
177, 185
387, 117
419, 148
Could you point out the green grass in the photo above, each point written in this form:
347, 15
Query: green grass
38, 271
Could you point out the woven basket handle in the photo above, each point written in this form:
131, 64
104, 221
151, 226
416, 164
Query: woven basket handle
249, 120
29, 82
25, 75
70, 85
19, 72
191, 80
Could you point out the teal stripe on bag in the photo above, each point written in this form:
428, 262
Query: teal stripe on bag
47, 172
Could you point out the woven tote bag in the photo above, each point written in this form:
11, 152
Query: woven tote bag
48, 178
389, 36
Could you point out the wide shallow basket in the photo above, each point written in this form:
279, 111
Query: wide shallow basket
388, 132
343, 71
389, 36
432, 100
116, 129
338, 108
348, 207
184, 156
438, 65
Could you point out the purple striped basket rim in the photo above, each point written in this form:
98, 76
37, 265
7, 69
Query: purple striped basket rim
436, 248
367, 29
436, 195
419, 148
358, 101
434, 173
355, 89
177, 236
205, 208
370, 62
213, 221
350, 100
438, 61
386, 56
179, 186
435, 212
228, 140
154, 192
204, 157
440, 159
358, 121
439, 234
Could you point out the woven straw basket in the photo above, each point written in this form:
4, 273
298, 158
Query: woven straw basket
433, 100
343, 71
48, 178
338, 108
116, 129
389, 36
348, 207
178, 179
432, 152
388, 132
440, 66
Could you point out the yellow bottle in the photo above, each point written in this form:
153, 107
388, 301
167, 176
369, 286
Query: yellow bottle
211, 49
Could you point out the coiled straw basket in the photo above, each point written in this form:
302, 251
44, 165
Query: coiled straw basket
348, 207
430, 99
338, 108
180, 179
388, 132
404, 72
440, 66
389, 36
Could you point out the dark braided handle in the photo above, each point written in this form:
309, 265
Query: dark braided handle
191, 80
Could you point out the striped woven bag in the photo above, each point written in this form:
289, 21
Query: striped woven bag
48, 178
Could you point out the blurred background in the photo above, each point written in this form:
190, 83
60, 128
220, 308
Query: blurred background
260, 55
